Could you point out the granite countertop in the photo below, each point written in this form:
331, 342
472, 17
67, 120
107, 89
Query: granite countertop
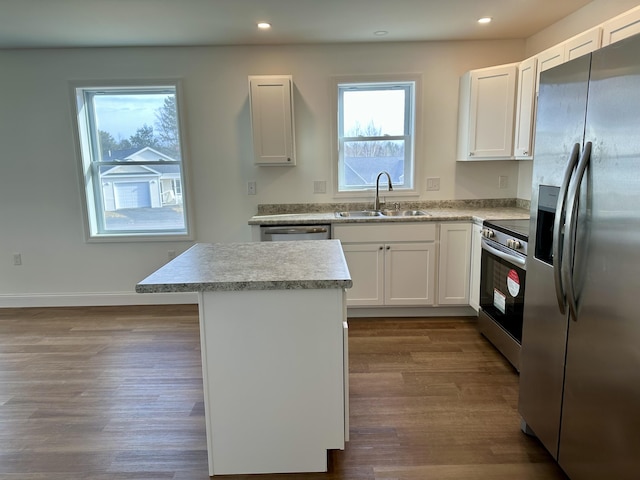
460, 213
311, 264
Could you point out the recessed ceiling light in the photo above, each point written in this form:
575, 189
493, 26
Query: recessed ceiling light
264, 25
485, 20
380, 33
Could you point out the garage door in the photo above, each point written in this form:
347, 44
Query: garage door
132, 195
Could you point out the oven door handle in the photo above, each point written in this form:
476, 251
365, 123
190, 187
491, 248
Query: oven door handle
521, 262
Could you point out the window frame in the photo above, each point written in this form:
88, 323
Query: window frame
412, 113
85, 139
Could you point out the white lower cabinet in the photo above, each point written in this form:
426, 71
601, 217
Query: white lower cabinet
476, 263
392, 264
454, 264
366, 265
409, 273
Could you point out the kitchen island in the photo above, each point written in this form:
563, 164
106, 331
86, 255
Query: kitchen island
273, 338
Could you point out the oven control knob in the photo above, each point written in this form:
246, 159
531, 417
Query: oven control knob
513, 243
488, 233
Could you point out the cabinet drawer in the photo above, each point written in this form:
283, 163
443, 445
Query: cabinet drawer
390, 232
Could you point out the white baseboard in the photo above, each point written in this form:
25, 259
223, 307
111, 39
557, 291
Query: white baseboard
403, 312
95, 299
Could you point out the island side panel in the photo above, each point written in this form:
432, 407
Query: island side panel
273, 370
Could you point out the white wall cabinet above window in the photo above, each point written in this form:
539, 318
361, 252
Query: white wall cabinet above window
486, 113
621, 27
272, 119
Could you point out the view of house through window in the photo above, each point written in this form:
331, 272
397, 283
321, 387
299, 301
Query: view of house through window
132, 161
375, 133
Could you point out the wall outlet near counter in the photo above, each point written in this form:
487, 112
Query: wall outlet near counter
17, 259
433, 184
503, 181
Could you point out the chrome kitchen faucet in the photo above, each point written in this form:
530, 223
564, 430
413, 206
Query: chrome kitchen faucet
376, 202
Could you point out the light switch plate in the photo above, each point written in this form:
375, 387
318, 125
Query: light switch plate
319, 186
433, 184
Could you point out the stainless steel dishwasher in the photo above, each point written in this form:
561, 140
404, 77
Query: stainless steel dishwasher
281, 233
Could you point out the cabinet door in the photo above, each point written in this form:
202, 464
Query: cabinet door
454, 264
366, 266
548, 59
271, 103
621, 27
582, 44
409, 272
491, 112
525, 109
476, 252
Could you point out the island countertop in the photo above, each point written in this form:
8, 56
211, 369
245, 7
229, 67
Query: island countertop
310, 264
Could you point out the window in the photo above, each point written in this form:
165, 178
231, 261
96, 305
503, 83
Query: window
376, 125
132, 166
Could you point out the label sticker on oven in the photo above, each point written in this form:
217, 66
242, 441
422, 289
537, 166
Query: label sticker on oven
499, 300
513, 283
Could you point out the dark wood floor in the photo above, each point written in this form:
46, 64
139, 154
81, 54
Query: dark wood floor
116, 393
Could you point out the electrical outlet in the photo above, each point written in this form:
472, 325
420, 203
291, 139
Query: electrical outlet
251, 188
503, 181
319, 186
433, 184
17, 259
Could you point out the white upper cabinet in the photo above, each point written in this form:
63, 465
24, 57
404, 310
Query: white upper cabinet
621, 27
525, 109
550, 58
486, 113
581, 44
272, 121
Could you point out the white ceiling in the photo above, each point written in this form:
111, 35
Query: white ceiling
111, 23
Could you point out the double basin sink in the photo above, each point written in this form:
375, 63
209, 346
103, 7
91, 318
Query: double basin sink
381, 213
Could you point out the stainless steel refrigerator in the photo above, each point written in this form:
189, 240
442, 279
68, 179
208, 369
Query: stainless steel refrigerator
580, 359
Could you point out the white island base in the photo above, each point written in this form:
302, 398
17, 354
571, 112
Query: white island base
275, 379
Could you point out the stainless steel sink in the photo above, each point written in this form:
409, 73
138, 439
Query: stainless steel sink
383, 213
359, 214
404, 213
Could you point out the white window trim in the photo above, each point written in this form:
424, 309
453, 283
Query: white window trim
82, 156
417, 153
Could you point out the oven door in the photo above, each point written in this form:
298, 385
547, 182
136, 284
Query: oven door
502, 285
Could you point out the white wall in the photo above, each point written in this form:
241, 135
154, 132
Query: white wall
40, 201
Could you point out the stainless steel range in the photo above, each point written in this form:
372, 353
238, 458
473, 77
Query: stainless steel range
502, 285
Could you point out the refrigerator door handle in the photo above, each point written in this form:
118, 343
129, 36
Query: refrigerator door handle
570, 235
558, 226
